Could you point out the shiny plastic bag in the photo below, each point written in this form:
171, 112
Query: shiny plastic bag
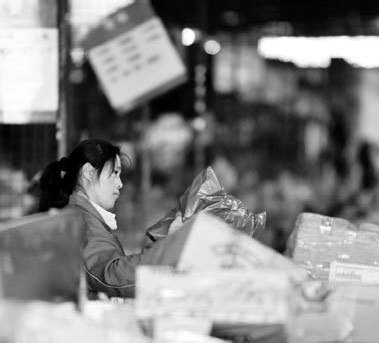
206, 194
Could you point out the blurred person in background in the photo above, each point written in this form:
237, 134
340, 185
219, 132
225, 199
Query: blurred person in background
89, 179
362, 205
168, 140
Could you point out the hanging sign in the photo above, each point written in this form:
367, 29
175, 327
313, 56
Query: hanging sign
133, 57
28, 75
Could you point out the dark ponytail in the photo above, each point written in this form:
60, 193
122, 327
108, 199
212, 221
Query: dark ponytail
60, 178
53, 193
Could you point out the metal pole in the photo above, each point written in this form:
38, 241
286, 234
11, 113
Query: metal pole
200, 83
64, 50
145, 167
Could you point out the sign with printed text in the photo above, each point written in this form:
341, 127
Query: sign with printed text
224, 296
353, 273
133, 56
29, 68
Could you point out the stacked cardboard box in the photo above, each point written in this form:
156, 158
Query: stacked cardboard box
346, 258
318, 240
251, 307
225, 276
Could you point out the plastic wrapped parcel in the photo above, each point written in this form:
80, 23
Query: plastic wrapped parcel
206, 194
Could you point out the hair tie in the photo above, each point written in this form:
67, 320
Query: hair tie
63, 164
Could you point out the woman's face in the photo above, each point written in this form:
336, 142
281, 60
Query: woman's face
106, 188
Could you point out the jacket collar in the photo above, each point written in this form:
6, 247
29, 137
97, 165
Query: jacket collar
80, 199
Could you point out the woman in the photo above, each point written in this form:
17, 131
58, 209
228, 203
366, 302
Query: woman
89, 179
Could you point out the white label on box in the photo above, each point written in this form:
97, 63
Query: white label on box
353, 273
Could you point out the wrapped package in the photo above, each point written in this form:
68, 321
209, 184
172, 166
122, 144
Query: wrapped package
207, 245
206, 194
222, 296
242, 306
318, 240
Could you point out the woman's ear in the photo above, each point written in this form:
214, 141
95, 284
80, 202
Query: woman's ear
88, 171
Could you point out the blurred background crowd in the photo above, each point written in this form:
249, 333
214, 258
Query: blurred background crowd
280, 98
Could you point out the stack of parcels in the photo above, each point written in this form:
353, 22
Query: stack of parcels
345, 259
317, 241
238, 284
206, 194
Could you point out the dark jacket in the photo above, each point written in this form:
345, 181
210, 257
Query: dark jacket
108, 269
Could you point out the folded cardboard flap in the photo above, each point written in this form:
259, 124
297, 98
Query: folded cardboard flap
41, 256
213, 244
205, 242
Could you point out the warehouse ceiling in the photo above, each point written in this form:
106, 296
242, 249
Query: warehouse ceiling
313, 17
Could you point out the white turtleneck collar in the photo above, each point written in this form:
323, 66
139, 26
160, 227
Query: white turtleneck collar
109, 217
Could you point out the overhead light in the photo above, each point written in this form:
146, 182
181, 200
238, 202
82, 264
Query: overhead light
317, 52
77, 55
188, 36
199, 124
212, 47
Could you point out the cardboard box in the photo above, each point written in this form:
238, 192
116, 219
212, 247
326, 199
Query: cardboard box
318, 240
221, 296
207, 243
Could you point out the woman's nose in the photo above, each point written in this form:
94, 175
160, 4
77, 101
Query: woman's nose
119, 184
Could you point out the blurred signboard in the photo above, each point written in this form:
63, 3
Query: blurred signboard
133, 56
20, 13
28, 75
